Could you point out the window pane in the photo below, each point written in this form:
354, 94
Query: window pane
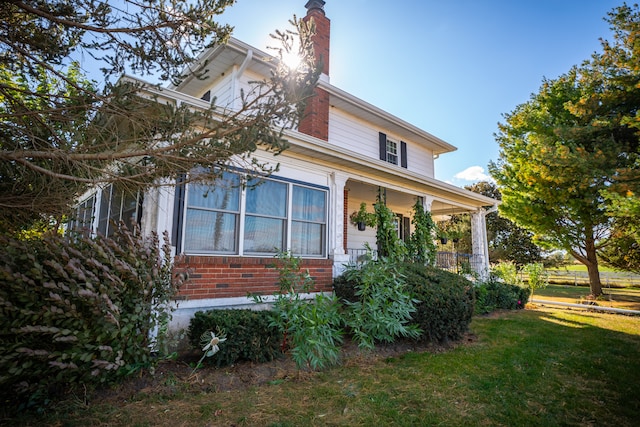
307, 238
268, 198
224, 194
207, 231
103, 218
263, 234
130, 210
308, 204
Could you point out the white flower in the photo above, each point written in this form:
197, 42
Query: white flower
210, 342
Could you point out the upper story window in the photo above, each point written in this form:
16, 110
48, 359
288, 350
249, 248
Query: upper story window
268, 216
392, 151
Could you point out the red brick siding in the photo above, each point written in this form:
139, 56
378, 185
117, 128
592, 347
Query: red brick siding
226, 277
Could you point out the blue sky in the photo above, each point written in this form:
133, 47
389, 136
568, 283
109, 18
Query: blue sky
450, 67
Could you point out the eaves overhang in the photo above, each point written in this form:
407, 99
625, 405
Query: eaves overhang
354, 164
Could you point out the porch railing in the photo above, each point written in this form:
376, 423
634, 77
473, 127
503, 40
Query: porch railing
450, 261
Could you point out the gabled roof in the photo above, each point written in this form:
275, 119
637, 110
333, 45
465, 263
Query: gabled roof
219, 60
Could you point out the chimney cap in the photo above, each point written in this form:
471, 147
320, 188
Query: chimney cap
315, 4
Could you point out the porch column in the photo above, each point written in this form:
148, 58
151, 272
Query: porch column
479, 243
336, 223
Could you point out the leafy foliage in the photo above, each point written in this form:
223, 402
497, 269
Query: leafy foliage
62, 133
250, 335
507, 272
574, 141
79, 311
507, 241
444, 302
421, 248
537, 276
383, 307
310, 328
389, 244
495, 295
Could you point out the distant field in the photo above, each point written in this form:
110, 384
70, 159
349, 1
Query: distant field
627, 298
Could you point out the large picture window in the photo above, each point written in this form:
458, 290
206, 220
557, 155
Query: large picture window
268, 216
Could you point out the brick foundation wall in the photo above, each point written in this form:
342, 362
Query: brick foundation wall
227, 277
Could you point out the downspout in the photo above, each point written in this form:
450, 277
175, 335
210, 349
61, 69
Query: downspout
237, 73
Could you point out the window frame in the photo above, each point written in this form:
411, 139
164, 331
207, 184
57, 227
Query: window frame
288, 220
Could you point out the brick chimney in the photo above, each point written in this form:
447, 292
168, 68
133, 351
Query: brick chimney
316, 117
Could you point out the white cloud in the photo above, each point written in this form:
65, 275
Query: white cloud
474, 174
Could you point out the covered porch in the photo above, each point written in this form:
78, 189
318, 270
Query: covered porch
442, 204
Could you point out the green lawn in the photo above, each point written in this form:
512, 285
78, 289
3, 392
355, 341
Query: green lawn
530, 367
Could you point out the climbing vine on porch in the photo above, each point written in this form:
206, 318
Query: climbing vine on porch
420, 247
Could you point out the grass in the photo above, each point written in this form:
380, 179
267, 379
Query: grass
627, 298
530, 367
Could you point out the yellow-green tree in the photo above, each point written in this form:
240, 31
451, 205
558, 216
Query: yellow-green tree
574, 140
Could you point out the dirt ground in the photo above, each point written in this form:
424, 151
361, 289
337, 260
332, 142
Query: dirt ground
176, 376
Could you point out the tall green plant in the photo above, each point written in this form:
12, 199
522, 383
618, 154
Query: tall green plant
421, 248
389, 244
537, 276
383, 307
310, 328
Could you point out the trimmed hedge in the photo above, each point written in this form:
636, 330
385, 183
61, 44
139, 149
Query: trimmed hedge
446, 302
250, 335
495, 295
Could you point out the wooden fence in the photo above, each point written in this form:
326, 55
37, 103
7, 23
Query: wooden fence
608, 279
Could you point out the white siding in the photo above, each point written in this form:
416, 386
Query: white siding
222, 91
350, 132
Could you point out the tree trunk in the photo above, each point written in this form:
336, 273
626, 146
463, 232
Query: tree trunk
590, 259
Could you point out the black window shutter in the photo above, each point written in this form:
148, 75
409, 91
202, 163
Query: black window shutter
178, 214
403, 154
383, 146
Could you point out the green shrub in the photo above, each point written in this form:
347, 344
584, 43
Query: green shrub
495, 295
78, 311
345, 286
383, 307
250, 335
446, 302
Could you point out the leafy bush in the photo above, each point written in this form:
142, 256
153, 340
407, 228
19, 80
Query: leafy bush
79, 311
537, 277
383, 307
445, 302
249, 334
495, 295
344, 286
507, 271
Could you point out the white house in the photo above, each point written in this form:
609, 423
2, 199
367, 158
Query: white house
343, 153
